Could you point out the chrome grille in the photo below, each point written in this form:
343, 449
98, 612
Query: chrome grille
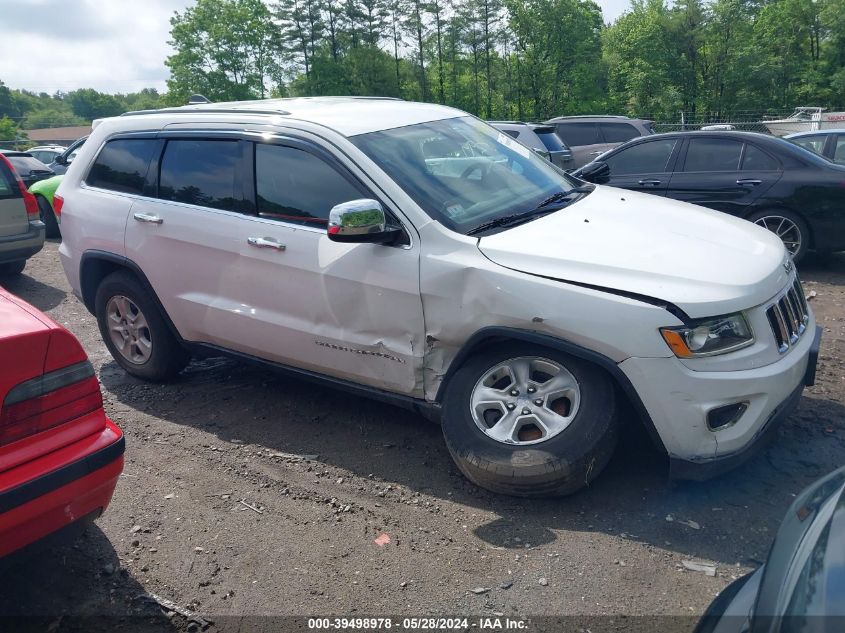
788, 316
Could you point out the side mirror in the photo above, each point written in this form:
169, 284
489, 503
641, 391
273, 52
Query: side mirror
360, 221
59, 160
597, 172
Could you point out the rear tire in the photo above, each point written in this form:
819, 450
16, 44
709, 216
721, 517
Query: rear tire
529, 465
48, 217
12, 269
134, 329
788, 226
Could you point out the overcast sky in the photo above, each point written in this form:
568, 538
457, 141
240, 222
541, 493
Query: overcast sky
109, 45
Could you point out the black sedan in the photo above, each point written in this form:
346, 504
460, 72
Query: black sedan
29, 168
801, 587
767, 180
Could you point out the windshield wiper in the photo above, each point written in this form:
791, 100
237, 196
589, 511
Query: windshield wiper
541, 209
563, 195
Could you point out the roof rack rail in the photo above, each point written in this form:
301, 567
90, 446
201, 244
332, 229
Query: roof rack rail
192, 110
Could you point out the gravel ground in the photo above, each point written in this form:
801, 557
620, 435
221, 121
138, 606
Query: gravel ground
252, 494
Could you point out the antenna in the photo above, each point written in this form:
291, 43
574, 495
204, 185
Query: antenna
198, 99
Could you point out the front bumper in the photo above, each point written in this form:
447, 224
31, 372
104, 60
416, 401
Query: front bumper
14, 248
44, 496
678, 400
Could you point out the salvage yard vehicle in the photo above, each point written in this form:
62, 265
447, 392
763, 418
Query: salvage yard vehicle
541, 138
591, 136
347, 240
827, 143
29, 168
63, 161
44, 190
60, 456
799, 588
21, 230
46, 153
769, 181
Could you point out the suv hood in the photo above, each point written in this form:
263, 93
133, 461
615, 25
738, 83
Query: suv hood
705, 262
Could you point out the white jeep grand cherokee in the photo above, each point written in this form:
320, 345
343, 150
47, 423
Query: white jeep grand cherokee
413, 253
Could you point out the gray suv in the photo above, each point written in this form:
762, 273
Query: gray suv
541, 138
591, 136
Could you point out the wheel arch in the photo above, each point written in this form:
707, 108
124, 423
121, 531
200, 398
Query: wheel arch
97, 265
488, 336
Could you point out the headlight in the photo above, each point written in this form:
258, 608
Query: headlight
709, 336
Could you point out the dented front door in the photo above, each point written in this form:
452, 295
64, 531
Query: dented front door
351, 311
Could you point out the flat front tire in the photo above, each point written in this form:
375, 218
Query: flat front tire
528, 421
134, 330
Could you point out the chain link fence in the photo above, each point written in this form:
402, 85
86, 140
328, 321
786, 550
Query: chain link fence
743, 120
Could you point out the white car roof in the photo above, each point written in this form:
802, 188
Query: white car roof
349, 116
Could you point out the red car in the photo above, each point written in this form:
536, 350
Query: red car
60, 456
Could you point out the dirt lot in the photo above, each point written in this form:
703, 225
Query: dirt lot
302, 541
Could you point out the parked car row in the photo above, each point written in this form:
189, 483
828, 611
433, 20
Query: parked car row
573, 141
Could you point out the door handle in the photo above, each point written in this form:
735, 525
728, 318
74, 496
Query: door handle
265, 242
749, 181
651, 183
599, 153
146, 217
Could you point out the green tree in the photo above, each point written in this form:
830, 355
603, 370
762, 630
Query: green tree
89, 104
8, 130
225, 49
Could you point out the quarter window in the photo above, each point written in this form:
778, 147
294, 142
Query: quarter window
122, 165
200, 172
651, 157
713, 154
757, 160
293, 185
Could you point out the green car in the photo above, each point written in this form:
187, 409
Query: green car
44, 190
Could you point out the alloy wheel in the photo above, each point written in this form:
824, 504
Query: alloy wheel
785, 229
129, 330
525, 400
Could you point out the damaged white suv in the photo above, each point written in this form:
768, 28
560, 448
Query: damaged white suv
412, 252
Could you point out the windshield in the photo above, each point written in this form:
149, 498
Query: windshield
462, 172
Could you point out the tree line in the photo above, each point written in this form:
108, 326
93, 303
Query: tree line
523, 59
25, 110
499, 59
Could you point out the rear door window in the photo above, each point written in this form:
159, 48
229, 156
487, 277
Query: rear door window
651, 157
293, 185
122, 165
618, 132
200, 172
577, 133
713, 154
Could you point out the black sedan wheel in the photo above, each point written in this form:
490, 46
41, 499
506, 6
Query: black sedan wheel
789, 227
